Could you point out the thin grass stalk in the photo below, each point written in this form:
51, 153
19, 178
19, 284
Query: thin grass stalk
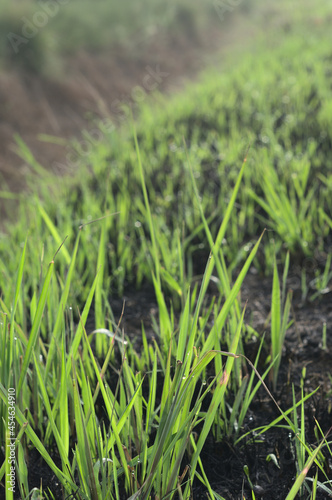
215, 246
19, 280
303, 474
58, 438
276, 342
83, 447
21, 420
80, 328
55, 339
99, 316
216, 399
35, 328
54, 232
221, 319
155, 253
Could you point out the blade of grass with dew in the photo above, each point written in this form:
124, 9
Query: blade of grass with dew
148, 209
18, 329
300, 479
83, 448
284, 279
55, 340
283, 416
129, 379
275, 323
221, 318
172, 283
35, 327
222, 230
9, 466
216, 246
165, 439
57, 436
218, 395
150, 410
80, 328
63, 400
22, 470
13, 311
183, 330
20, 418
250, 394
54, 232
164, 319
117, 426
99, 317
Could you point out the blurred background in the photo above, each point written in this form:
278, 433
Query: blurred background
66, 63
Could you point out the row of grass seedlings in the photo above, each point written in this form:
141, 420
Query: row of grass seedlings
10, 348
239, 385
284, 216
184, 356
97, 471
22, 375
230, 304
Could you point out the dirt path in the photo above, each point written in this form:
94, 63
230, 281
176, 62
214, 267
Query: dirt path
95, 85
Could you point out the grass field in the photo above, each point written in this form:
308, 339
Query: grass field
230, 175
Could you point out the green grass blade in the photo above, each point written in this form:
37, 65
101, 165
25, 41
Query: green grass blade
55, 340
35, 326
218, 395
220, 320
300, 479
54, 232
148, 210
275, 324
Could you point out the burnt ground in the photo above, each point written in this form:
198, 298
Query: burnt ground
91, 85
224, 461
